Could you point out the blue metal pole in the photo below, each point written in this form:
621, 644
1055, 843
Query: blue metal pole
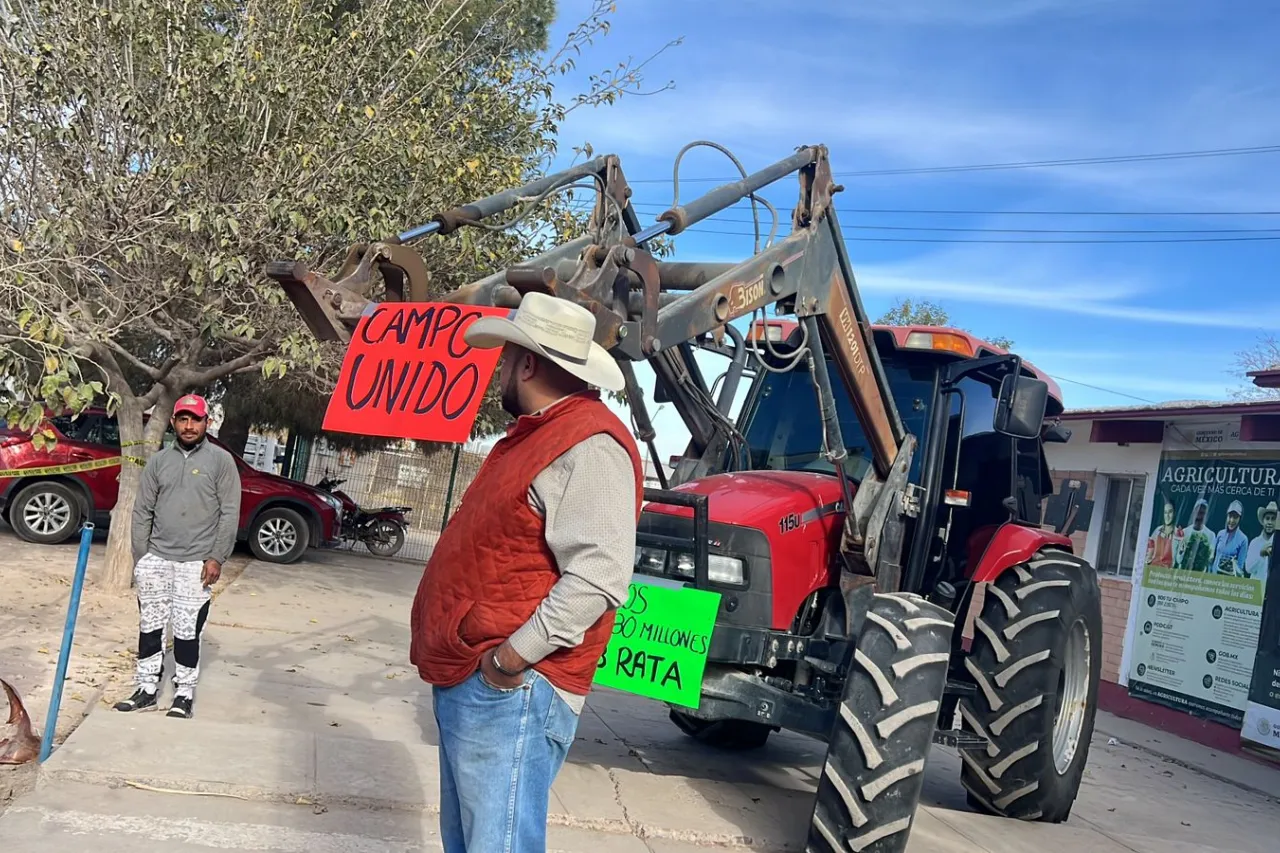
68, 634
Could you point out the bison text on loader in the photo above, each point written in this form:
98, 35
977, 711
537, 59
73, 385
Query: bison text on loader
880, 487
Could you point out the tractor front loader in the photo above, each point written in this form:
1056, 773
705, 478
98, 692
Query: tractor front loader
879, 487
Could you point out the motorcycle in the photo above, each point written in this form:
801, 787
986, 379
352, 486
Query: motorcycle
382, 530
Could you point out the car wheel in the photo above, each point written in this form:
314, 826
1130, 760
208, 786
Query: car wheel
47, 512
279, 535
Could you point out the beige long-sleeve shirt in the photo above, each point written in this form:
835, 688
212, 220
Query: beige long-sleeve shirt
587, 499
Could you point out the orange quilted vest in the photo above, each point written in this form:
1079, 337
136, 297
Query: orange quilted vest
492, 567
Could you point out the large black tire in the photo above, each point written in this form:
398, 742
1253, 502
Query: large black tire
47, 512
874, 771
1036, 659
733, 735
279, 535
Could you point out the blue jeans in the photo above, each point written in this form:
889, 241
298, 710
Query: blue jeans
500, 750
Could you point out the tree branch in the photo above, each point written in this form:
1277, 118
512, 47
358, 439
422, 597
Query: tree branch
253, 358
152, 372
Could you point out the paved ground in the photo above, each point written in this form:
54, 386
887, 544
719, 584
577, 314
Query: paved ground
35, 588
312, 735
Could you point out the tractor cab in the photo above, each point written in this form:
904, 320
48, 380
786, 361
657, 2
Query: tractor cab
773, 486
966, 469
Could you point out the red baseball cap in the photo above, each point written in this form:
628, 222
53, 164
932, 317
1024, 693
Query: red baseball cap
193, 403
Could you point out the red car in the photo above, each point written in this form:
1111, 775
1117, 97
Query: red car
279, 518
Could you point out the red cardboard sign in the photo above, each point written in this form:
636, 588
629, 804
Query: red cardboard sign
408, 373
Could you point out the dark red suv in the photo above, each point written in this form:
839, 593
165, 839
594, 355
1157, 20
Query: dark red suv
279, 518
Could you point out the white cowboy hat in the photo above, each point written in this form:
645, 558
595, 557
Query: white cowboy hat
1270, 508
556, 329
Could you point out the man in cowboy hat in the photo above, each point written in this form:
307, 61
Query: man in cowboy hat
1259, 560
1230, 545
517, 602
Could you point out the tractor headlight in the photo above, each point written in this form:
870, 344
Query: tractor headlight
724, 569
650, 560
720, 569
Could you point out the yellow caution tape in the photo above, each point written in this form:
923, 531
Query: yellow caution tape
71, 467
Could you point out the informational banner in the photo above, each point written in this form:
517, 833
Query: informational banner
1262, 714
1202, 588
408, 373
659, 645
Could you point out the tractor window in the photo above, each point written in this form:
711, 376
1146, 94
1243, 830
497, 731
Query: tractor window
783, 427
985, 458
984, 464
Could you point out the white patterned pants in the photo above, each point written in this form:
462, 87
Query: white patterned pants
170, 594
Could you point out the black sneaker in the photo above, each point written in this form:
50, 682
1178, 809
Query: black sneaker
181, 707
140, 700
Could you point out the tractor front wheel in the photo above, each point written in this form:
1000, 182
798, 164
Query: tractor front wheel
876, 755
1036, 660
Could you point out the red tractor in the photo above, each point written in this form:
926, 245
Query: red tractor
885, 582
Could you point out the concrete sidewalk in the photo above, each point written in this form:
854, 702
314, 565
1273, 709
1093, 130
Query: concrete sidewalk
1231, 769
312, 735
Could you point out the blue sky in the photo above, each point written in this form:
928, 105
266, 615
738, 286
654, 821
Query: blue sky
927, 83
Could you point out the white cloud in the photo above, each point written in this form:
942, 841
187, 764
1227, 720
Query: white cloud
987, 278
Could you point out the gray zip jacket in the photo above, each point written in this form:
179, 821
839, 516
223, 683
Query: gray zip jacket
188, 505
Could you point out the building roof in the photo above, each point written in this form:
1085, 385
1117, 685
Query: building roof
1175, 408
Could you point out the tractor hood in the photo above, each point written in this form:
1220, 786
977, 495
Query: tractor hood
761, 499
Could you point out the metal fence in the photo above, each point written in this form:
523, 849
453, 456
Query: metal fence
432, 485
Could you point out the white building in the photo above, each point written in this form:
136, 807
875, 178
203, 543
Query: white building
1181, 652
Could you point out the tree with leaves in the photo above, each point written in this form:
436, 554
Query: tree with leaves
159, 152
908, 312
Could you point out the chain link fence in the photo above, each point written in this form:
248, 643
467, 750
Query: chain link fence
431, 484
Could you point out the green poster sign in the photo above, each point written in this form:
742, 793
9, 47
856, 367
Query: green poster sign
1204, 578
659, 645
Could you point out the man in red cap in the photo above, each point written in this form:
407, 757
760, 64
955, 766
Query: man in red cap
184, 527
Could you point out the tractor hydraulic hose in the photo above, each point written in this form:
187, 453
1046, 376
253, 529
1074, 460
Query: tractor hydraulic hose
833, 437
680, 217
734, 374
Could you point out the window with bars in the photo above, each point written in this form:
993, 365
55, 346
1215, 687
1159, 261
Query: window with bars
1121, 520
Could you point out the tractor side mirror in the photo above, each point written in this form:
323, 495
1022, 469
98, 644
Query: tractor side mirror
1020, 409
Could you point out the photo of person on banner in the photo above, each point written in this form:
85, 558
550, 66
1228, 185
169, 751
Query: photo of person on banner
1230, 545
1197, 548
1164, 546
1260, 547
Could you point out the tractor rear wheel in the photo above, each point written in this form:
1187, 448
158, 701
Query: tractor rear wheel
1036, 659
876, 755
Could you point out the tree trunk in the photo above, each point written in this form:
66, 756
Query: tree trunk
234, 432
118, 572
